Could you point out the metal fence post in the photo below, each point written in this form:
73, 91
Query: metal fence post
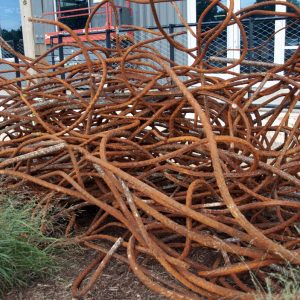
108, 38
16, 58
61, 53
251, 44
52, 53
172, 49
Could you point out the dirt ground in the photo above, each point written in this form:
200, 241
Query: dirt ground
116, 282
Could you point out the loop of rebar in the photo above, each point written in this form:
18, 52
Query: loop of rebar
174, 159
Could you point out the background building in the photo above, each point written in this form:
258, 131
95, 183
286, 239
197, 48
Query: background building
74, 13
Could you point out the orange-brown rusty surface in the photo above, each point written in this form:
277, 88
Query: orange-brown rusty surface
172, 158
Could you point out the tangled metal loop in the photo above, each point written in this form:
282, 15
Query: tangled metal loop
176, 164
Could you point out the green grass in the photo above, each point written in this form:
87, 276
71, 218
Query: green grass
288, 277
25, 253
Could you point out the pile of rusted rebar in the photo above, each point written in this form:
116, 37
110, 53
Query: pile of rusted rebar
173, 162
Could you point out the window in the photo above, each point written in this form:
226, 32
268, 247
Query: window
216, 13
245, 3
75, 19
293, 28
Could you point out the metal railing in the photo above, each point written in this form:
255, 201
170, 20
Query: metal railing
260, 33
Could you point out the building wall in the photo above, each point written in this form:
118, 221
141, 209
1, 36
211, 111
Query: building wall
142, 16
39, 29
166, 13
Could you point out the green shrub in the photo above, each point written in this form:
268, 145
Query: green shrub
25, 253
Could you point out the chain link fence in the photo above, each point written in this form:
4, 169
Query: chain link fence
7, 71
260, 34
292, 39
260, 37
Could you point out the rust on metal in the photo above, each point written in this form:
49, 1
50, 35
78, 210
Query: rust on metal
173, 159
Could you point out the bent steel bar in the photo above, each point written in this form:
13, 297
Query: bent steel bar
176, 161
